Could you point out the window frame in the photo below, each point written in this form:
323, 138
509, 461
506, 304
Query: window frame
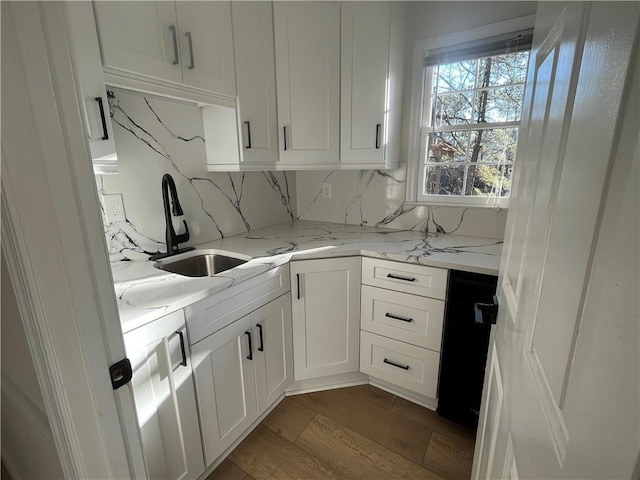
421, 110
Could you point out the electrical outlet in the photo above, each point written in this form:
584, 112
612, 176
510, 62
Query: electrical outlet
326, 190
114, 207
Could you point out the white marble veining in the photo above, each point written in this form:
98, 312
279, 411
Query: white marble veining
155, 136
145, 293
378, 198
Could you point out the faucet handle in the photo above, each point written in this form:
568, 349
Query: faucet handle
183, 237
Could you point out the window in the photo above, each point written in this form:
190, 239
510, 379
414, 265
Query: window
472, 99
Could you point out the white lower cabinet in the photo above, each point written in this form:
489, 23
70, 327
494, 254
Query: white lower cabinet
326, 316
399, 363
273, 350
164, 397
240, 373
402, 322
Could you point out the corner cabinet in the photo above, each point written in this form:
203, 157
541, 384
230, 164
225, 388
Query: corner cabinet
165, 398
307, 52
240, 371
326, 316
179, 49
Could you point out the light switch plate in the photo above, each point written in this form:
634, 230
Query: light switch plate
114, 207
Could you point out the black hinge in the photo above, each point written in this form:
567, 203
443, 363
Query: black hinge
486, 310
120, 373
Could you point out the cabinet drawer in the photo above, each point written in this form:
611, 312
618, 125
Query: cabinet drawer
399, 363
211, 314
408, 318
408, 278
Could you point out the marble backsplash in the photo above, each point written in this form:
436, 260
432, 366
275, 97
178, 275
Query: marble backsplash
155, 136
377, 198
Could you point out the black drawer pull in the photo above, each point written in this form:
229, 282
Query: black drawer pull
378, 136
298, 282
261, 347
389, 362
103, 119
397, 317
248, 124
174, 35
250, 356
182, 349
399, 277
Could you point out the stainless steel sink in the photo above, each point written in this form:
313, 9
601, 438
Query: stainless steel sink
200, 263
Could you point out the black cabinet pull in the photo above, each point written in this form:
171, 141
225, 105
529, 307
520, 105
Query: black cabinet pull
248, 124
182, 349
176, 59
250, 356
285, 137
298, 282
105, 132
378, 136
192, 65
261, 347
389, 362
397, 317
398, 277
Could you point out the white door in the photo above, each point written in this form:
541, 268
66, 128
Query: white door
206, 44
326, 316
225, 385
307, 46
364, 76
561, 387
256, 79
273, 350
140, 37
165, 398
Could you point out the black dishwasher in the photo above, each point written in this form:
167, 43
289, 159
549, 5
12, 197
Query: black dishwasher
464, 347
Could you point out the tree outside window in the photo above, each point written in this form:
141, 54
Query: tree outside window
472, 130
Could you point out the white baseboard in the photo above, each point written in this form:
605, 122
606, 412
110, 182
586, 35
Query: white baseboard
327, 383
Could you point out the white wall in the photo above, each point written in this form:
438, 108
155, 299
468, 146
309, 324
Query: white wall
28, 450
155, 136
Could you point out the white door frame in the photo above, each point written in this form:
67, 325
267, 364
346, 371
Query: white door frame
54, 244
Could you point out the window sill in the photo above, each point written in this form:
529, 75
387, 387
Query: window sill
461, 203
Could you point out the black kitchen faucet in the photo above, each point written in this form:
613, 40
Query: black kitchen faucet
172, 239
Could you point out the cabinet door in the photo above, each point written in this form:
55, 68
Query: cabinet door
326, 316
225, 384
307, 45
140, 37
273, 350
165, 398
364, 81
256, 80
86, 52
206, 44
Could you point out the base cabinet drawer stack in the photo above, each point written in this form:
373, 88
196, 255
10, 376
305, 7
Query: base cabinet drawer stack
402, 315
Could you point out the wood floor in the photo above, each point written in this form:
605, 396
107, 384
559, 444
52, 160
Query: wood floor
351, 433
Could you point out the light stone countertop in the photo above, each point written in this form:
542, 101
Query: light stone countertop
145, 293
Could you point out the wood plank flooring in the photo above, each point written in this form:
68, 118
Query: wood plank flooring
351, 433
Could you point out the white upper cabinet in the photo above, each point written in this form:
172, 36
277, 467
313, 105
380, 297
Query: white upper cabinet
256, 81
206, 45
81, 28
140, 37
174, 49
364, 73
307, 47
